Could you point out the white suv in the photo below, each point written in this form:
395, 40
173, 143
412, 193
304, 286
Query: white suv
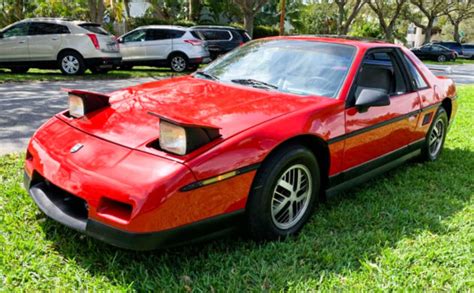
72, 46
178, 47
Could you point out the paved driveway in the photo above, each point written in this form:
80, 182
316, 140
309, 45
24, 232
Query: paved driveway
25, 106
461, 74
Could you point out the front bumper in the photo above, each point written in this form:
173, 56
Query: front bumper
104, 62
71, 211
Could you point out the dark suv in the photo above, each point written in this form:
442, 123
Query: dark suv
222, 39
455, 46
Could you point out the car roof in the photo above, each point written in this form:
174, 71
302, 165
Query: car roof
58, 20
218, 27
175, 27
346, 40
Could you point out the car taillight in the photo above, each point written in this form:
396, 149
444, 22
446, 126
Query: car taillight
94, 40
194, 42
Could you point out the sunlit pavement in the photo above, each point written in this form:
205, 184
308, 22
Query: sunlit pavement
461, 74
25, 106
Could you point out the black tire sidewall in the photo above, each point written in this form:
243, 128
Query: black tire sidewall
441, 58
258, 210
440, 114
82, 66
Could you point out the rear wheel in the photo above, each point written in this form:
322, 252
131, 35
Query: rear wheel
283, 194
71, 63
441, 58
20, 69
436, 136
178, 62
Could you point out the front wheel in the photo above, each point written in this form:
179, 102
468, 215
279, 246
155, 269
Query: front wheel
178, 63
436, 136
283, 194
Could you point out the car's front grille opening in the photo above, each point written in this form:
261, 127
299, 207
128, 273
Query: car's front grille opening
116, 209
68, 203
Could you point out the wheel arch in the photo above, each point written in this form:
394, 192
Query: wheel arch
317, 145
448, 106
68, 50
174, 53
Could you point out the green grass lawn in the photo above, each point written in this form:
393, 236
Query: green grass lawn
55, 75
411, 228
459, 61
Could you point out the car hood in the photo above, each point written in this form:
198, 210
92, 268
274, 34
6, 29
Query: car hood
132, 120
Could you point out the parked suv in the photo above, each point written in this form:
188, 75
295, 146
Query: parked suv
179, 48
222, 39
455, 46
71, 46
468, 50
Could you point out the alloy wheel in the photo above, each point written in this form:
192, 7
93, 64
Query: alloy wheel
436, 138
178, 63
291, 196
70, 64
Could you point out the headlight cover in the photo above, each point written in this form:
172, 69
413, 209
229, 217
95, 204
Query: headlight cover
82, 102
182, 140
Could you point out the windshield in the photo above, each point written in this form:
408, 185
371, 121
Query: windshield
290, 66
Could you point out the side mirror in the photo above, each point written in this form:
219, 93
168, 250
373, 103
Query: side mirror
371, 98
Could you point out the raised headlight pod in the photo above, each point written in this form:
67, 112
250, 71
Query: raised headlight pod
81, 102
183, 139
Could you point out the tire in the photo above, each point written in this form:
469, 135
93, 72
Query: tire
266, 214
193, 67
441, 58
435, 137
98, 70
19, 69
178, 62
71, 63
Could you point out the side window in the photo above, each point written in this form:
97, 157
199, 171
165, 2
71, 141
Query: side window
176, 34
156, 35
18, 30
381, 70
417, 79
216, 35
47, 29
136, 36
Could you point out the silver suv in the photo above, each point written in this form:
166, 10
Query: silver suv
72, 46
178, 47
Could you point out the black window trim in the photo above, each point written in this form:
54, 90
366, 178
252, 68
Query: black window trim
350, 99
416, 88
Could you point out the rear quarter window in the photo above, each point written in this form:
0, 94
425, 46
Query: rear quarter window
216, 35
94, 28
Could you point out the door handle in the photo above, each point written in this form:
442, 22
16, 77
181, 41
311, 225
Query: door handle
21, 42
54, 39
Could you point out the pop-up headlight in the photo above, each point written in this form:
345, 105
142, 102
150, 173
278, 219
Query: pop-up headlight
183, 139
81, 102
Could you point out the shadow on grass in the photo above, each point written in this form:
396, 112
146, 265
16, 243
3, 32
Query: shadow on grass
350, 228
55, 75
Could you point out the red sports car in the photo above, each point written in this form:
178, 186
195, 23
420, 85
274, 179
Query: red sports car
254, 140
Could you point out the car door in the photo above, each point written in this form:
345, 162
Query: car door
44, 40
132, 46
14, 43
379, 131
158, 44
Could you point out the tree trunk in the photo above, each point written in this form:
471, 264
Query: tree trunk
340, 19
194, 10
428, 30
248, 23
456, 36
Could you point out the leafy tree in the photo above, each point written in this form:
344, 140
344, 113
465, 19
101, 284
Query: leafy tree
388, 13
347, 13
317, 18
430, 10
462, 11
249, 9
221, 9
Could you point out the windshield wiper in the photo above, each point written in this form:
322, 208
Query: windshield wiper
254, 83
207, 75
